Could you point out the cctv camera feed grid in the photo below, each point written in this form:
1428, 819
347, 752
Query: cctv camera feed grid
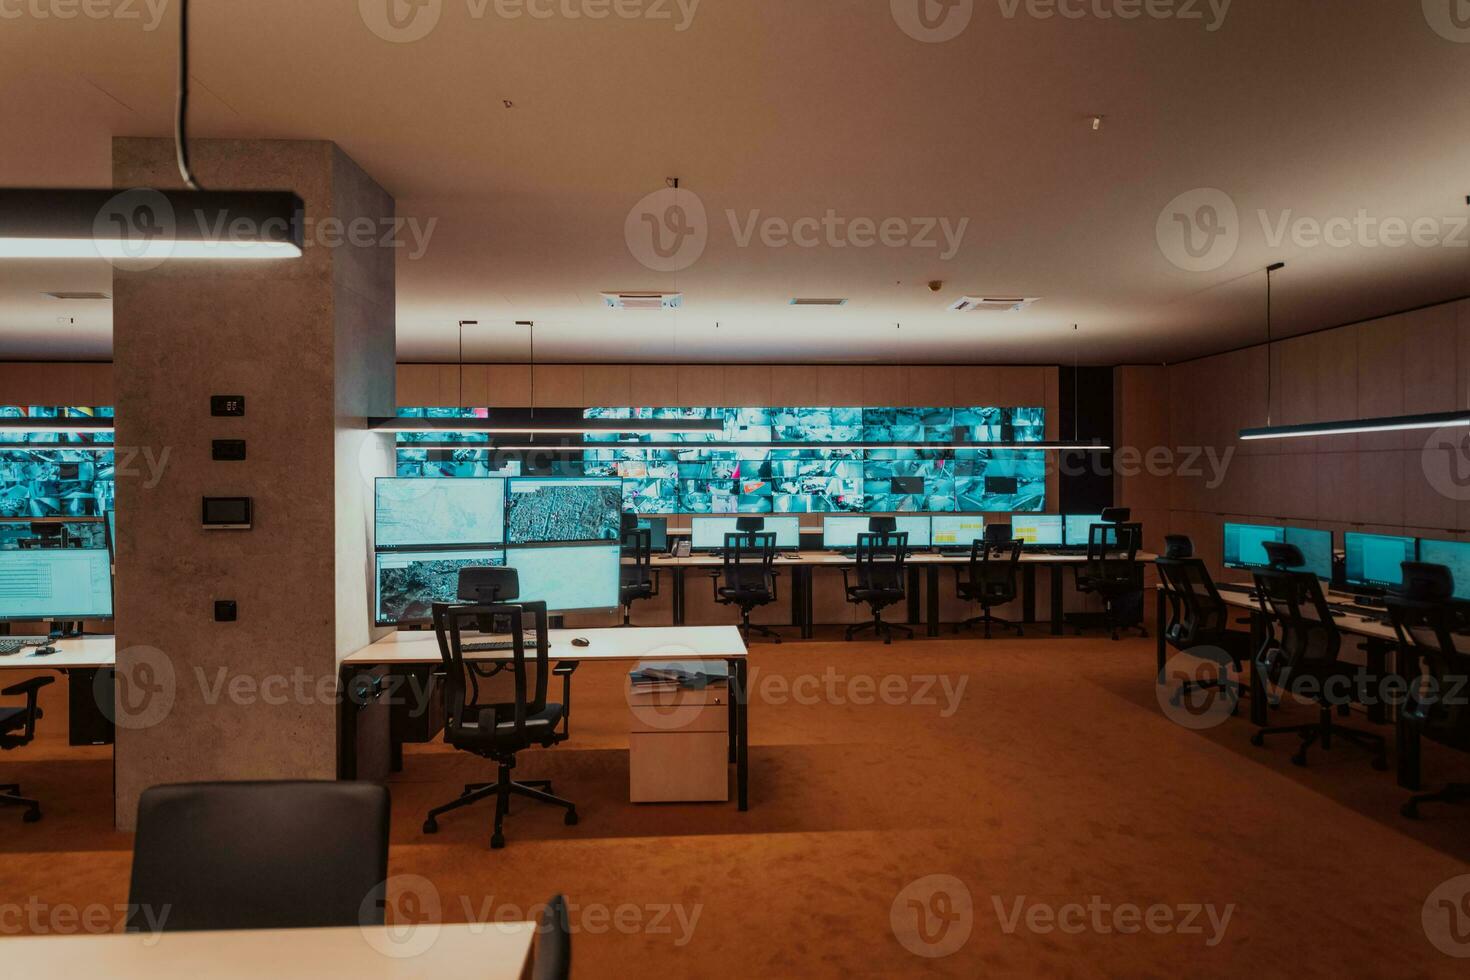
50, 474
706, 479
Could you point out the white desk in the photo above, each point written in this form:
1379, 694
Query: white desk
79, 653
496, 950
420, 648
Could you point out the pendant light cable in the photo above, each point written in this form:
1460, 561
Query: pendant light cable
181, 112
1270, 270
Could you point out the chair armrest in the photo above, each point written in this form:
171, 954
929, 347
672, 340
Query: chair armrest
566, 668
656, 582
28, 688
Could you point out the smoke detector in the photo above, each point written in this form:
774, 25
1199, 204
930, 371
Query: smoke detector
643, 301
993, 304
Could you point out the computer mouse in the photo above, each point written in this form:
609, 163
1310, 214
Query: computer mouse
581, 641
45, 651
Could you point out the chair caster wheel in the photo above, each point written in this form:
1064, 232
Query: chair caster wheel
1380, 763
1410, 810
570, 819
431, 826
1258, 739
32, 816
1299, 760
497, 841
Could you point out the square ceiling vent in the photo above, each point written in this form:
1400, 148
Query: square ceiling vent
993, 304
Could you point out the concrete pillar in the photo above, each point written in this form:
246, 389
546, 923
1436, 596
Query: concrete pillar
309, 343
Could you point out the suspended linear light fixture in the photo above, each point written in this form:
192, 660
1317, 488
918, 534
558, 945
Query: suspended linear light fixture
149, 226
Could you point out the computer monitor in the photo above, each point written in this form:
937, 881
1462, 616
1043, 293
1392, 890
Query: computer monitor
1375, 561
1454, 554
409, 582
415, 513
1245, 545
1037, 530
1077, 527
658, 532
112, 532
573, 578
708, 533
841, 533
1316, 547
957, 531
55, 583
563, 509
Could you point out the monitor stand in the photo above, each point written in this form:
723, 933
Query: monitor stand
65, 630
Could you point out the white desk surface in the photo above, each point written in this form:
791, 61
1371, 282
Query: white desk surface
78, 653
615, 644
838, 559
1345, 621
495, 950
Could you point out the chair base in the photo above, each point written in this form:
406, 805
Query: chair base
986, 619
1453, 793
1324, 730
879, 628
1186, 688
10, 796
502, 789
747, 627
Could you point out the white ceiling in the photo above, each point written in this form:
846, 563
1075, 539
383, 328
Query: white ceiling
1316, 107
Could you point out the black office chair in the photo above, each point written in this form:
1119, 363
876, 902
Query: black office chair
17, 728
259, 855
1304, 644
638, 578
1178, 546
1111, 573
881, 580
498, 730
747, 578
1425, 618
991, 582
1201, 625
554, 942
999, 534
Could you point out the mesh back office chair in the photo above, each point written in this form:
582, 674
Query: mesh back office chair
991, 582
1200, 624
638, 579
498, 730
553, 942
1304, 645
880, 580
1425, 618
1111, 573
747, 577
17, 728
1175, 546
259, 855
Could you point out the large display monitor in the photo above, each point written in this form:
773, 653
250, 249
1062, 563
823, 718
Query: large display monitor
563, 509
658, 532
1077, 527
417, 513
841, 533
1245, 545
1375, 561
574, 578
708, 533
55, 583
1455, 555
1316, 547
955, 531
1037, 530
409, 582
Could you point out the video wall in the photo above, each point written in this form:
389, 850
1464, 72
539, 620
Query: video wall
52, 474
701, 477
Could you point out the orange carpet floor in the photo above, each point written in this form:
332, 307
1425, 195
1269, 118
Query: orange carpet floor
1049, 791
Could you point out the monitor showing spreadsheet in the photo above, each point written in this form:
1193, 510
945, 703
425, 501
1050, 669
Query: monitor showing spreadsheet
841, 533
957, 531
1037, 530
1376, 560
1077, 527
1453, 554
417, 513
1245, 545
55, 583
708, 533
1316, 547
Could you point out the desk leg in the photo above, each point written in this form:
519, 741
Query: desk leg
1259, 704
678, 595
1057, 616
798, 604
1377, 657
808, 624
914, 613
1159, 628
1028, 593
932, 599
740, 698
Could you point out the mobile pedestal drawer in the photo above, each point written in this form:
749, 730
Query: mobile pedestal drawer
679, 744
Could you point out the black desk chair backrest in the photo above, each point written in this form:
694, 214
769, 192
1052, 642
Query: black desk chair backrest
637, 568
1425, 618
504, 726
259, 855
1305, 634
554, 942
880, 561
748, 563
1201, 615
1112, 552
994, 567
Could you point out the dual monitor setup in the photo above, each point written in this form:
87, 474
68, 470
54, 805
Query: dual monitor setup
1372, 563
562, 535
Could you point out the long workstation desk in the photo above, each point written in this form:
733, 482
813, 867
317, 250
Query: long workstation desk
925, 608
419, 650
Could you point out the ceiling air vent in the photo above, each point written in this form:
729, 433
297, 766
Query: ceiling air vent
805, 301
643, 301
993, 304
66, 295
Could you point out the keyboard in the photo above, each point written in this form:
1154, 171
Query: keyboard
495, 646
14, 644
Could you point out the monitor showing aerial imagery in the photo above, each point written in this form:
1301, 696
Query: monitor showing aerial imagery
416, 513
562, 509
